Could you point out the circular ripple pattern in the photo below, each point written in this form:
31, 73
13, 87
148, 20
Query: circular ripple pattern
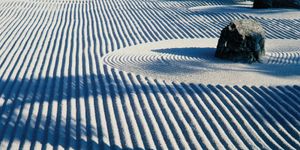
194, 61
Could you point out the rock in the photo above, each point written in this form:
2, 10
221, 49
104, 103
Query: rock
276, 4
286, 3
242, 41
262, 4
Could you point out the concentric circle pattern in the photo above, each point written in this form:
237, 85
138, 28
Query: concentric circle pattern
193, 61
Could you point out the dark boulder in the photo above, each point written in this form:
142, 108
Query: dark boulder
286, 3
262, 4
276, 4
242, 41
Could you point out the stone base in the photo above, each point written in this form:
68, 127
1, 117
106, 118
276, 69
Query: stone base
242, 41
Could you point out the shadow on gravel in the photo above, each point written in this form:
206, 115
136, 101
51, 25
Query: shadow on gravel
189, 60
240, 9
31, 111
269, 109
